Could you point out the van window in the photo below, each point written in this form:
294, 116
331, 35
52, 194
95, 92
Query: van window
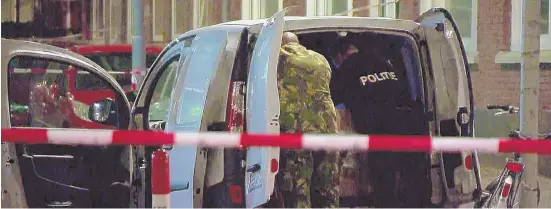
164, 86
163, 91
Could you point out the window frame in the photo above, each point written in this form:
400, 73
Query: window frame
389, 8
154, 27
256, 9
470, 44
325, 7
516, 26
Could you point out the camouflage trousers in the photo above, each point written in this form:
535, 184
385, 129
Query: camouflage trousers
309, 179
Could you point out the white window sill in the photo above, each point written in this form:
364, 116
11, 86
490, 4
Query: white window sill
158, 38
472, 57
515, 56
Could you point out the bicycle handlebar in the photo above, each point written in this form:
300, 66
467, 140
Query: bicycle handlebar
506, 108
498, 107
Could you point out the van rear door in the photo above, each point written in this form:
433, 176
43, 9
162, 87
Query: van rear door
262, 111
185, 114
445, 56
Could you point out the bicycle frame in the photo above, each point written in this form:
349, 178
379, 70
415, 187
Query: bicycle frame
503, 191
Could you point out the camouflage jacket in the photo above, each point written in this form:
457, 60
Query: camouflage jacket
303, 81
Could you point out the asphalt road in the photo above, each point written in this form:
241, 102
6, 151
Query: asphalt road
492, 165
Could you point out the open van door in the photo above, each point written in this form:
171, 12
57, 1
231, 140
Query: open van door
262, 111
444, 54
185, 114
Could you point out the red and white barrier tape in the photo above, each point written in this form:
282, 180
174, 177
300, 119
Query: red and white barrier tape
298, 141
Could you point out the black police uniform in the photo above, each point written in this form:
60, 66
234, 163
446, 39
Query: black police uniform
379, 98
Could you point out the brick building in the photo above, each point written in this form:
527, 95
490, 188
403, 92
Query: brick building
490, 29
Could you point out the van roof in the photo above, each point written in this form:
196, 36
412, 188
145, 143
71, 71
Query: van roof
296, 22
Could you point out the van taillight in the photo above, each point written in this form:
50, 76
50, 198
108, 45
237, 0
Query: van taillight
236, 104
236, 194
235, 123
469, 162
274, 165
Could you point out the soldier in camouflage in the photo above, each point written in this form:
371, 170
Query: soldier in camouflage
307, 178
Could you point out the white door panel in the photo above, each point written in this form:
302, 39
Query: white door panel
263, 111
188, 163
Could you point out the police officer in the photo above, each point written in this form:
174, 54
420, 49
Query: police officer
377, 94
308, 178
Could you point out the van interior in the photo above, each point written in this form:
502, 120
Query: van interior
404, 116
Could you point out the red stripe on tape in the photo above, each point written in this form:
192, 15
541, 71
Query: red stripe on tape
142, 138
27, 136
541, 146
38, 70
400, 143
160, 172
283, 141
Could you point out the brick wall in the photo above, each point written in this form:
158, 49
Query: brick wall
409, 10
299, 8
496, 83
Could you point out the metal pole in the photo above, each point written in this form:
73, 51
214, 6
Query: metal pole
138, 68
138, 43
529, 90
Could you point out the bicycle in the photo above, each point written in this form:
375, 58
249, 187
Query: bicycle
502, 192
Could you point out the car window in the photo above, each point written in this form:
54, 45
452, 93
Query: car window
164, 86
41, 96
118, 63
162, 91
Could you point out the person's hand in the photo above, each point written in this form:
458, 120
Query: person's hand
344, 119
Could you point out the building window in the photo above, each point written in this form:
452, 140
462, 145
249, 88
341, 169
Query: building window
182, 20
258, 9
328, 7
464, 13
157, 21
97, 21
516, 25
384, 8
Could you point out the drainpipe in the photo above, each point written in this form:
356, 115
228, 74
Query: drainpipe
17, 12
529, 90
85, 24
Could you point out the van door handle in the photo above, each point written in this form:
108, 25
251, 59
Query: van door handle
254, 168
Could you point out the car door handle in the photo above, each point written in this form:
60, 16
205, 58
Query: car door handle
56, 204
179, 187
253, 168
49, 156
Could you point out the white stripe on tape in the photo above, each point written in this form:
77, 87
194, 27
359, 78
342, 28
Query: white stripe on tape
208, 139
352, 142
160, 200
21, 70
455, 144
80, 137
